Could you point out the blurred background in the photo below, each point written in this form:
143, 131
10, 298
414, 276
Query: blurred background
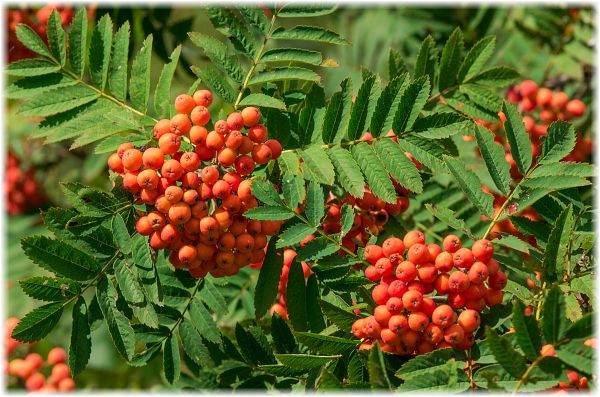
552, 46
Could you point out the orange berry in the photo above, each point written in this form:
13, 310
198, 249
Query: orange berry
132, 159
244, 165
451, 243
235, 121
392, 245
463, 258
227, 157
203, 98
258, 133
184, 103
148, 179
444, 262
234, 139
180, 213
482, 250
497, 281
214, 140
251, 116
275, 147
380, 294
261, 154
123, 148
57, 355
246, 146
172, 170
180, 124
412, 300
469, 320
210, 175
35, 382
189, 161
478, 273
161, 128
406, 271
413, 237
418, 321
198, 135
200, 115
454, 334
433, 333
153, 158
115, 164
169, 143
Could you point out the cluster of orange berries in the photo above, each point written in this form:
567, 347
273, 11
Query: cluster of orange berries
37, 20
198, 195
458, 280
576, 382
28, 372
21, 188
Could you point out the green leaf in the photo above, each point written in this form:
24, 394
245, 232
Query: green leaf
128, 279
81, 339
578, 356
450, 60
212, 297
446, 379
342, 318
558, 143
378, 377
398, 165
318, 165
483, 97
50, 289
163, 87
304, 361
31, 40
269, 213
313, 311
256, 17
60, 258
426, 151
171, 359
337, 115
412, 102
38, 323
385, 104
218, 54
268, 279
425, 364
476, 58
309, 33
520, 145
57, 38
292, 55
449, 218
470, 184
293, 188
265, 192
251, 347
30, 87
58, 100
325, 344
363, 107
375, 172
233, 27
262, 100
347, 220
493, 155
120, 329
283, 339
216, 81
294, 234
582, 328
441, 125
315, 203
31, 67
499, 76
556, 246
554, 183
78, 41
100, 46
554, 323
290, 10
291, 73
527, 331
192, 342
349, 175
426, 59
296, 289
203, 321
316, 249
146, 269
396, 65
583, 170
512, 361
121, 234
139, 82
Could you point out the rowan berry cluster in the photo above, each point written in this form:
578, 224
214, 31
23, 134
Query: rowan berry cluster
21, 188
576, 382
28, 372
196, 188
37, 20
428, 298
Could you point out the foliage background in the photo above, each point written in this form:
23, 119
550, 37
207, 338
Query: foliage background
539, 52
